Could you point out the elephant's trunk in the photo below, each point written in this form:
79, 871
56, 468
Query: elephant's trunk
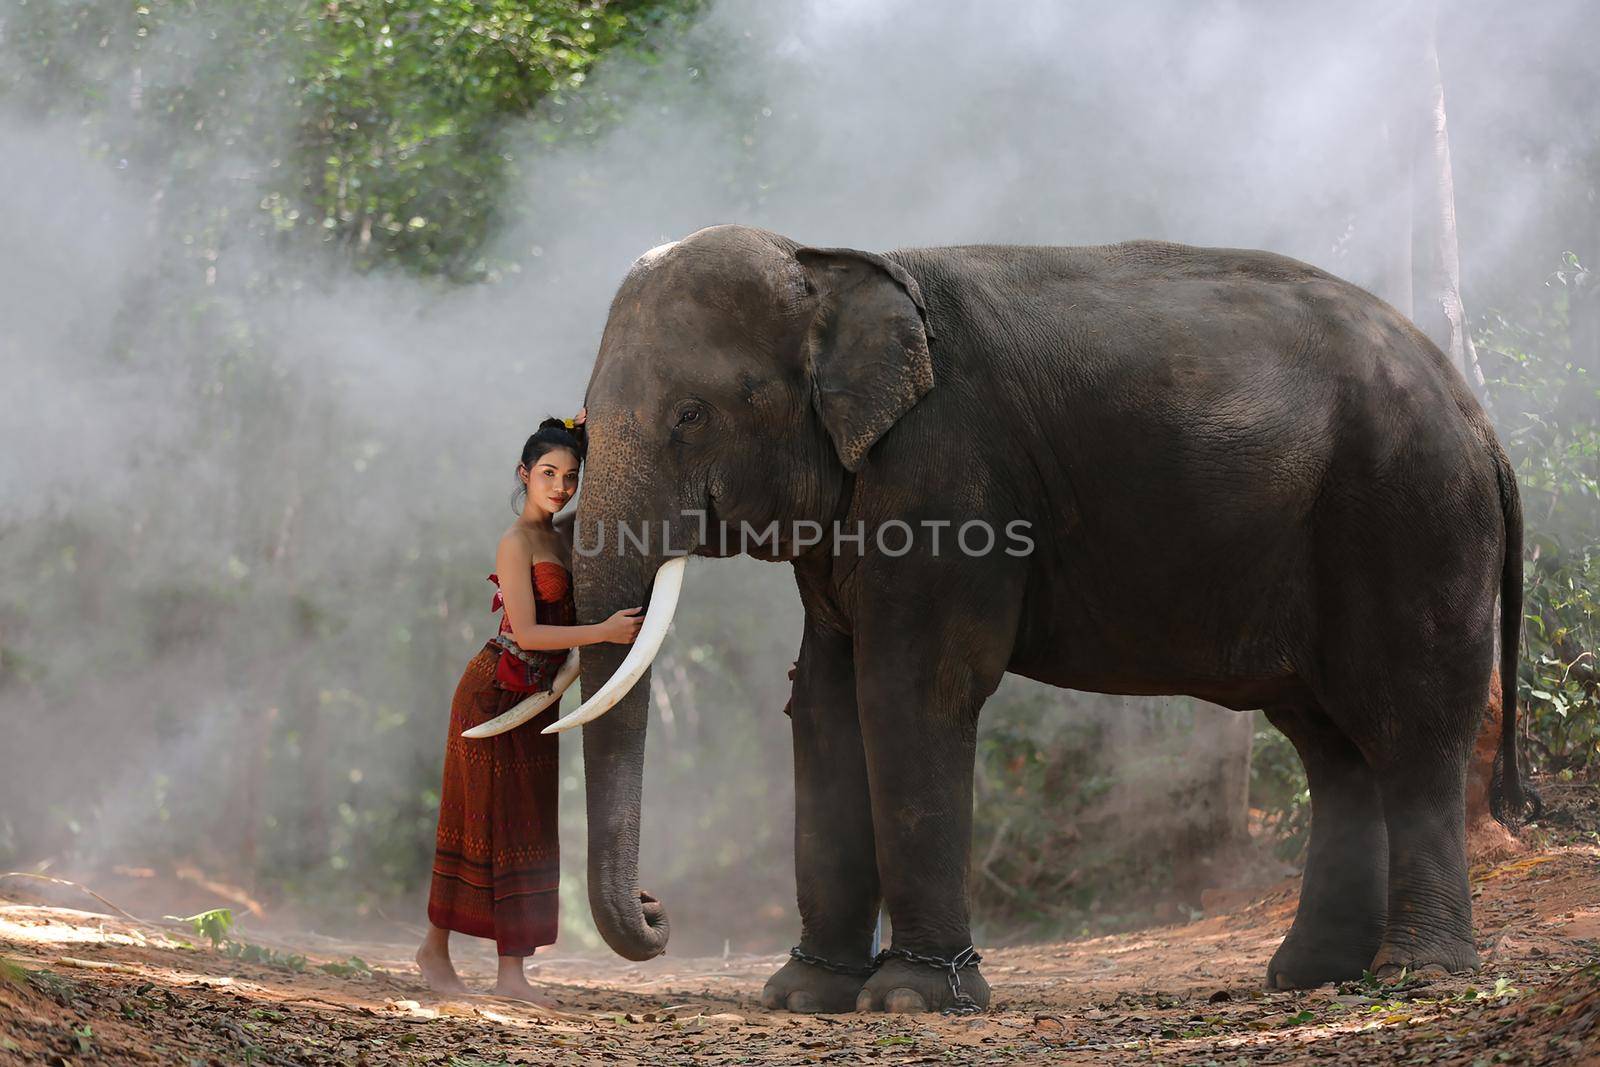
632, 923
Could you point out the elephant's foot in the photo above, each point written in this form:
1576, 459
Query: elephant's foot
1441, 957
902, 986
806, 988
1302, 963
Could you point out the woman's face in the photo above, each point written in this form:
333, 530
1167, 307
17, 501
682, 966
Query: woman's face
552, 480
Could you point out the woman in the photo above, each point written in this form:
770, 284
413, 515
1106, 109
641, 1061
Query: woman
496, 866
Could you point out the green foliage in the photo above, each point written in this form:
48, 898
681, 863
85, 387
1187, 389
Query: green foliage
263, 956
1091, 812
400, 154
1278, 790
214, 925
1032, 790
1543, 368
354, 967
13, 973
374, 127
217, 925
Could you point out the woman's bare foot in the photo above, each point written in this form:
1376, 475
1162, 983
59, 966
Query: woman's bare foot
511, 982
433, 960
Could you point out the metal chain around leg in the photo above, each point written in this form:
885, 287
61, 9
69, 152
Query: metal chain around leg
952, 968
829, 965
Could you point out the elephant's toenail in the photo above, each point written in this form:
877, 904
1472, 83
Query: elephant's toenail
904, 1000
801, 1000
864, 1000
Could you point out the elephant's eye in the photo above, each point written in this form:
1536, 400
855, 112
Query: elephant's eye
689, 417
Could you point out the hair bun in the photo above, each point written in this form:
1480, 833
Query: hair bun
563, 433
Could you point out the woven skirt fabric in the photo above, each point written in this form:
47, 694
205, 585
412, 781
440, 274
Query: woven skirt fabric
497, 855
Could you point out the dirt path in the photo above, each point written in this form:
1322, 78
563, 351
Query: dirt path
86, 987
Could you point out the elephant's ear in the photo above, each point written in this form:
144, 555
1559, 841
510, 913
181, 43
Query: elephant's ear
867, 346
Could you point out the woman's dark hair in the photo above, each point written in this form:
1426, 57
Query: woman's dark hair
552, 434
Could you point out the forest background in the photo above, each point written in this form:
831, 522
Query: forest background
284, 285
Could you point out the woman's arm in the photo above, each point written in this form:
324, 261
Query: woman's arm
514, 563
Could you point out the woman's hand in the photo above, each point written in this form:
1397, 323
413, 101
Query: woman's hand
622, 627
581, 416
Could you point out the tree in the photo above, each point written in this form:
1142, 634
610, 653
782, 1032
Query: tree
1422, 273
1439, 308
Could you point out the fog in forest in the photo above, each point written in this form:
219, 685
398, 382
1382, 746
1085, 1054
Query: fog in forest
238, 590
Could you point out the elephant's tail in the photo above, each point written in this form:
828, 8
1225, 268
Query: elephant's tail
1509, 797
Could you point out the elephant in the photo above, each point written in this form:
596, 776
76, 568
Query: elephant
1240, 479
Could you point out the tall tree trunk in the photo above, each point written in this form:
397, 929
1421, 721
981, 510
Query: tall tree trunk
1438, 309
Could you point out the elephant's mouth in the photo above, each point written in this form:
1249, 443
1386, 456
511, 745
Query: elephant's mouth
715, 543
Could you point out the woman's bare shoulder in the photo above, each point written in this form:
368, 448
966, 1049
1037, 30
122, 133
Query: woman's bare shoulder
530, 546
515, 546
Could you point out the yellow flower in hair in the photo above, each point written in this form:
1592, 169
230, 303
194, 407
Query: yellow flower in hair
569, 422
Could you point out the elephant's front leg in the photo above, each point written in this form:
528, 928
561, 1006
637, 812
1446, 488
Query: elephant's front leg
922, 677
836, 871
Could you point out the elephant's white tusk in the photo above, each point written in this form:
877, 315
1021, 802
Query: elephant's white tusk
663, 602
533, 705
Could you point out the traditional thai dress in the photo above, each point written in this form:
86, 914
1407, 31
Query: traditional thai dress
496, 866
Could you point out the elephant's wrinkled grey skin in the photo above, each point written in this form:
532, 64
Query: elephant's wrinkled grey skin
1247, 481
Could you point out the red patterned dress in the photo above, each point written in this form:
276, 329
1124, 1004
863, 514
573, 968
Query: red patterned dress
497, 859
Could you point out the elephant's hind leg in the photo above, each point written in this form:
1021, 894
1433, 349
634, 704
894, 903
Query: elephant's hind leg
1343, 895
1414, 713
1423, 783
836, 871
1409, 547
1410, 689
